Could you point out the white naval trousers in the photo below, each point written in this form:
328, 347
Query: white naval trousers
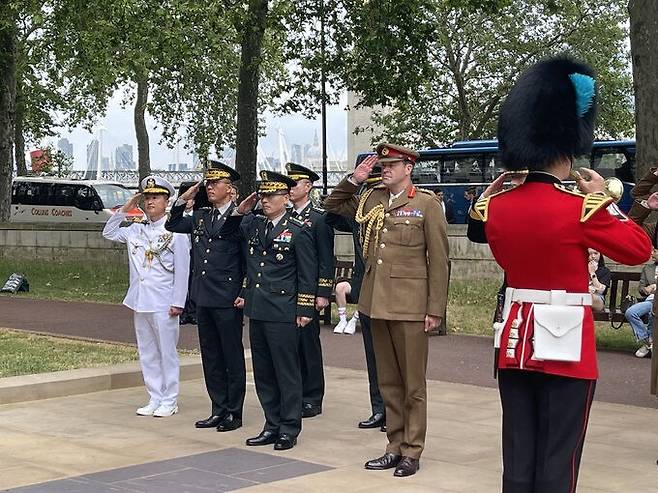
157, 337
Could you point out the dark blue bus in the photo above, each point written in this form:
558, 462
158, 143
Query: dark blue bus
469, 166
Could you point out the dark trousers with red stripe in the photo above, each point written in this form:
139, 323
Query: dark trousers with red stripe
544, 424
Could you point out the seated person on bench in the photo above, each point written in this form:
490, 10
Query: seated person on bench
634, 315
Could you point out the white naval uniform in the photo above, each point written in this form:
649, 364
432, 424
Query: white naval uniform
157, 281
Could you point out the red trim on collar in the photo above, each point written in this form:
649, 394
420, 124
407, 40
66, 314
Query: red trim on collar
412, 192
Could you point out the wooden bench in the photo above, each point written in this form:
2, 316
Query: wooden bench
619, 288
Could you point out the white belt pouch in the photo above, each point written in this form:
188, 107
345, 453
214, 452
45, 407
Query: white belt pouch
558, 332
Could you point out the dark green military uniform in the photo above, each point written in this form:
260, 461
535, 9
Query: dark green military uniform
281, 280
310, 347
217, 274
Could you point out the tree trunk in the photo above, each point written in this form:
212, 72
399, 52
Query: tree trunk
644, 50
19, 141
7, 103
246, 143
143, 158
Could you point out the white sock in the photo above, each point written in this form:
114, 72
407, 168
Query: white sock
342, 311
355, 316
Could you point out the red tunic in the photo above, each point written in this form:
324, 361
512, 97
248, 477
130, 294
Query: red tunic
539, 235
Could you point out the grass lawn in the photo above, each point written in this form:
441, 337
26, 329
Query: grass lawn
22, 354
69, 281
470, 304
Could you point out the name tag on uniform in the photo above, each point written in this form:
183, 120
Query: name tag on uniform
408, 212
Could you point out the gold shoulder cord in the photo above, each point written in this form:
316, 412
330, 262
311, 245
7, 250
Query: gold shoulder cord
375, 216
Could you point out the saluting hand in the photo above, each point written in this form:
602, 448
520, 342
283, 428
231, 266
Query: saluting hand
652, 201
132, 203
303, 321
191, 192
496, 186
248, 204
362, 171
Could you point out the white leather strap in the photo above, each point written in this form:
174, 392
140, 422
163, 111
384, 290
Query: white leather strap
552, 297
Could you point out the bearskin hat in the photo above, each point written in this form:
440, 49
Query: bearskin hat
547, 115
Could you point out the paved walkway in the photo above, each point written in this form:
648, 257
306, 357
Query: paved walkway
460, 359
66, 442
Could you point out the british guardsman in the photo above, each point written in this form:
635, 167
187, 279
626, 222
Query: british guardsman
404, 290
159, 265
310, 348
547, 346
279, 299
349, 225
217, 276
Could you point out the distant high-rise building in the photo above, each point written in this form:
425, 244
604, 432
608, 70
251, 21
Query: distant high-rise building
92, 160
65, 146
296, 154
123, 157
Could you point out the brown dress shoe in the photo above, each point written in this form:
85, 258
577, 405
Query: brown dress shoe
406, 467
386, 461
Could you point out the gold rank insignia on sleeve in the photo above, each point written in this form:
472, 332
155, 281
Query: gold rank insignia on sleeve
323, 282
304, 299
480, 210
592, 203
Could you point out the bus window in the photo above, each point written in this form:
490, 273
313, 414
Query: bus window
427, 172
460, 169
605, 163
113, 195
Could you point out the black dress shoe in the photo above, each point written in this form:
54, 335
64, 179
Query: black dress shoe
266, 437
285, 442
386, 461
406, 467
309, 410
229, 423
374, 421
211, 421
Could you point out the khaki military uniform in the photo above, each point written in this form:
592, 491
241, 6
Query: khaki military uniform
639, 214
406, 278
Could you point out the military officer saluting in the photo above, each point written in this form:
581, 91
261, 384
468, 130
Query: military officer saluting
159, 266
404, 290
310, 349
281, 284
216, 283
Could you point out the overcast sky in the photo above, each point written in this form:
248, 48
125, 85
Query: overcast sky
119, 129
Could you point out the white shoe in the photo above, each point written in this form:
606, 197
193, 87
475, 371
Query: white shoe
643, 351
148, 410
351, 326
341, 326
164, 411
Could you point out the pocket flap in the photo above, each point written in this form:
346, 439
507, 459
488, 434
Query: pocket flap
408, 271
558, 320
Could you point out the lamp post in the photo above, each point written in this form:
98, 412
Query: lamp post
323, 110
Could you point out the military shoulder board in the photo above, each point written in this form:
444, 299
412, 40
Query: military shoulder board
480, 209
592, 203
424, 190
318, 209
296, 221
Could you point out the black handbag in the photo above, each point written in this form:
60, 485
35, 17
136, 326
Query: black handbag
628, 301
15, 283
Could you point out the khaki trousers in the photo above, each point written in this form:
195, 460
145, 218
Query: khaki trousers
401, 349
